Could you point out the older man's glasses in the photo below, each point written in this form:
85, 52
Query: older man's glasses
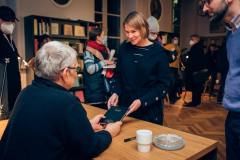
78, 69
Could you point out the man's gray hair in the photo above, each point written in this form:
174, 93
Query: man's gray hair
52, 58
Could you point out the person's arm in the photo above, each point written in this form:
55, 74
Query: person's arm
164, 79
81, 140
92, 67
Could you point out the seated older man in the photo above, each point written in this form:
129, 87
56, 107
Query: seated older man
48, 122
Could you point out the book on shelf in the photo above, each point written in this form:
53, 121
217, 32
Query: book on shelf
67, 30
35, 27
55, 28
40, 28
43, 27
80, 47
79, 31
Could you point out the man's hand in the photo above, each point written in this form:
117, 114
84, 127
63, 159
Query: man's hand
134, 106
95, 122
114, 128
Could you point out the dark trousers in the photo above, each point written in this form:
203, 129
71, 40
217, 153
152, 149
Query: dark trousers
232, 135
196, 93
173, 89
213, 81
222, 85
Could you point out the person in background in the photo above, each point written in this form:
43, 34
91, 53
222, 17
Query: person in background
95, 59
153, 29
212, 55
8, 50
222, 67
47, 121
229, 12
196, 64
142, 74
174, 66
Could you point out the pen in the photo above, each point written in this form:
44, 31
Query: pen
129, 139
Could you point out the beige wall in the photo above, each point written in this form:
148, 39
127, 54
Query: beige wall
78, 9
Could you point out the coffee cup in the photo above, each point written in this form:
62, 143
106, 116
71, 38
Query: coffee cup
144, 140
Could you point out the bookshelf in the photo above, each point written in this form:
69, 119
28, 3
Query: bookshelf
71, 32
108, 13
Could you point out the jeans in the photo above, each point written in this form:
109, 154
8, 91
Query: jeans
232, 135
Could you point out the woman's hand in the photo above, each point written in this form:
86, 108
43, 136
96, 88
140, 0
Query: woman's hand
107, 62
95, 122
113, 100
134, 106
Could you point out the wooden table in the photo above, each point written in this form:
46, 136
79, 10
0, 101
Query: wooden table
195, 146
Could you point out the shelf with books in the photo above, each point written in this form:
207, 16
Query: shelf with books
72, 32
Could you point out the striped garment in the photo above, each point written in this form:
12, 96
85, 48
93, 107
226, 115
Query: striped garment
90, 63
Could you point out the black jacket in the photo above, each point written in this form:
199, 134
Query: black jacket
196, 62
49, 123
143, 73
13, 74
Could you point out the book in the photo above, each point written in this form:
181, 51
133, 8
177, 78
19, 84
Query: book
79, 31
114, 114
40, 28
54, 28
67, 30
35, 27
80, 47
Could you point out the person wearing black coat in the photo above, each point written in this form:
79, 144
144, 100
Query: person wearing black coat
142, 73
9, 51
48, 122
196, 63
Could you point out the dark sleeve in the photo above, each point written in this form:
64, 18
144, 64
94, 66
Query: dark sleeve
163, 81
82, 141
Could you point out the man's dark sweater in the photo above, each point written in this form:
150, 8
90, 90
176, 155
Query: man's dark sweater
49, 123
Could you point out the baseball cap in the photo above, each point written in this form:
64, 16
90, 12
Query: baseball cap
7, 14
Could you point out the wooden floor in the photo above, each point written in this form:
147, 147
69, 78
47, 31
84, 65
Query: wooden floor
206, 120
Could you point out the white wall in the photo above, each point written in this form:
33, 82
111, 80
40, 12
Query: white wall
78, 9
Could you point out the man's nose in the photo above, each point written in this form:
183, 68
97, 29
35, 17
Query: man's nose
205, 8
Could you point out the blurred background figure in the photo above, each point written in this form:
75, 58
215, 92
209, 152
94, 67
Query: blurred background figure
8, 50
222, 67
196, 72
95, 59
212, 55
153, 29
174, 67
